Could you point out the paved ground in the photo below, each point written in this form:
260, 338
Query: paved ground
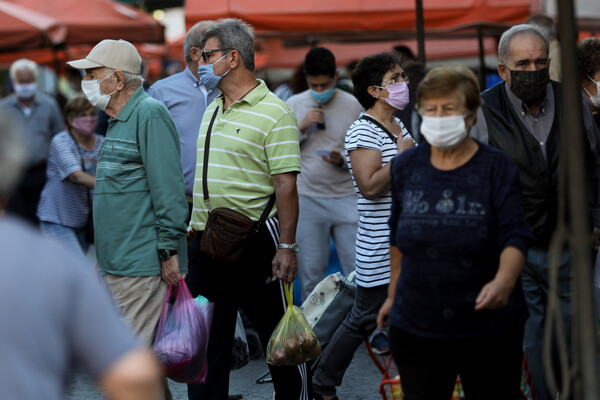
361, 382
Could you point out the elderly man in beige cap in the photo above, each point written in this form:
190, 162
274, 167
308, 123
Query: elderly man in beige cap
140, 209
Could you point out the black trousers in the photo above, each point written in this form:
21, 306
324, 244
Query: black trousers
489, 367
230, 286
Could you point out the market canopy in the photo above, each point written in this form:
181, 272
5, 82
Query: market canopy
90, 21
22, 28
362, 19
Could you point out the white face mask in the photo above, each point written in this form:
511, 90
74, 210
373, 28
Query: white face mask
91, 89
445, 133
594, 99
25, 91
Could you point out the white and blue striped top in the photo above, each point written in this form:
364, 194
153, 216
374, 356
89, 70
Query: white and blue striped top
373, 237
62, 201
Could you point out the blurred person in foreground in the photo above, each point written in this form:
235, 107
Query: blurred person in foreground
186, 95
139, 198
325, 193
63, 317
66, 201
40, 119
458, 242
371, 142
522, 117
253, 155
589, 74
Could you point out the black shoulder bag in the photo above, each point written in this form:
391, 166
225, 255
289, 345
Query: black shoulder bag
227, 232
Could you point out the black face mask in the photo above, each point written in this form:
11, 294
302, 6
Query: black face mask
529, 86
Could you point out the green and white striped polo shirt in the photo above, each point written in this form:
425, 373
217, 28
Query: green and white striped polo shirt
255, 138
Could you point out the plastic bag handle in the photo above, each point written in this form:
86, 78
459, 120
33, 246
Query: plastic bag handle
289, 293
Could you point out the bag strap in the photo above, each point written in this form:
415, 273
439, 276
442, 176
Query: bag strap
205, 162
365, 117
266, 211
288, 288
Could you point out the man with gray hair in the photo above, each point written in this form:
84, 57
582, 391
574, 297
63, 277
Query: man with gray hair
186, 98
251, 157
521, 116
64, 319
40, 118
139, 199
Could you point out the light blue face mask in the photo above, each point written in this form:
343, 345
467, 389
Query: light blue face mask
207, 75
324, 96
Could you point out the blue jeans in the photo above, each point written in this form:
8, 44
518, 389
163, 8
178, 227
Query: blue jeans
534, 280
319, 219
74, 238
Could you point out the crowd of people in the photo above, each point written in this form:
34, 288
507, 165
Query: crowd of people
448, 229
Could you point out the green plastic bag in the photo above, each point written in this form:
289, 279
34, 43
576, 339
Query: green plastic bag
292, 341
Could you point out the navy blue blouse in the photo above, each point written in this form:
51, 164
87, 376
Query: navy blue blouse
451, 227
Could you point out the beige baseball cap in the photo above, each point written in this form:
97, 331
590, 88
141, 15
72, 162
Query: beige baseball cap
114, 54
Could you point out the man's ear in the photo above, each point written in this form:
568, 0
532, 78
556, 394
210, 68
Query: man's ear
236, 60
195, 54
120, 77
503, 72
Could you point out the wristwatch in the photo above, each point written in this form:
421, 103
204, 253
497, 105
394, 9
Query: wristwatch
293, 247
164, 255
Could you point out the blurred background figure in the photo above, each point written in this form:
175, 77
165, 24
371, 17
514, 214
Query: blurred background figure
65, 206
345, 82
40, 118
589, 73
295, 85
371, 142
546, 24
458, 243
186, 98
326, 196
62, 318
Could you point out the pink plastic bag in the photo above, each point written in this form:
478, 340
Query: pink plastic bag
182, 336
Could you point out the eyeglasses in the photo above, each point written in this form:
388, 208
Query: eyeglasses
399, 79
207, 53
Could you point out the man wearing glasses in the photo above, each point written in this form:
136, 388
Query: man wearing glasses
253, 154
521, 116
186, 98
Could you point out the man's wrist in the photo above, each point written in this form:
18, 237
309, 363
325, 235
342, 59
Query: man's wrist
165, 254
293, 247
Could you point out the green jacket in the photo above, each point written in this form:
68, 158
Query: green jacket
139, 198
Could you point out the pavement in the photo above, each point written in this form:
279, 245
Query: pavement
361, 381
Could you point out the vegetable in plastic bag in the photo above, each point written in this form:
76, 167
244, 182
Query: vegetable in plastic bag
182, 337
292, 341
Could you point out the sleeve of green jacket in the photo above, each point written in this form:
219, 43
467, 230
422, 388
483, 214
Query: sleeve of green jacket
159, 148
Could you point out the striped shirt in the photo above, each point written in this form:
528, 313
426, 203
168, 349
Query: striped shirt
255, 138
62, 201
373, 236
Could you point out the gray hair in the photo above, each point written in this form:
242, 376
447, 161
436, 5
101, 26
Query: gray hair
23, 64
13, 153
132, 81
234, 34
194, 38
519, 30
545, 23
